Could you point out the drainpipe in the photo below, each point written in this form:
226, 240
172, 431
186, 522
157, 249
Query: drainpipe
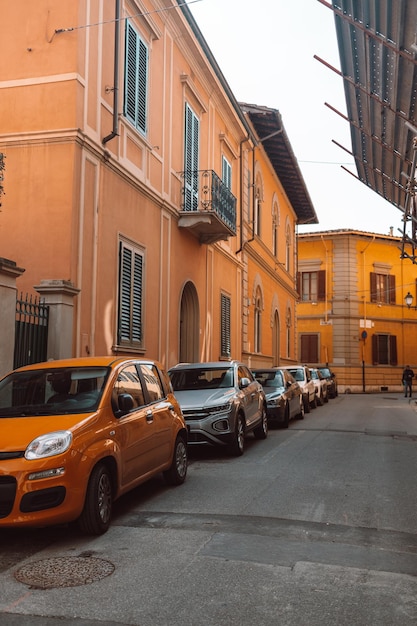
116, 74
241, 193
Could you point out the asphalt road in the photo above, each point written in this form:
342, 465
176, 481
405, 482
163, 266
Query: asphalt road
314, 526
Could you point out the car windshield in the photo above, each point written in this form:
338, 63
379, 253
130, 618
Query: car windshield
204, 378
314, 374
325, 371
269, 379
297, 373
52, 391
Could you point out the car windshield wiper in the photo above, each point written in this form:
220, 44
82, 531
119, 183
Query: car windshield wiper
27, 410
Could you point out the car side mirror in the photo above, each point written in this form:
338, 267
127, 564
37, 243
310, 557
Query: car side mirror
244, 382
289, 383
125, 403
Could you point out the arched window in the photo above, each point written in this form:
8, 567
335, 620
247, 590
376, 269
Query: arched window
257, 205
275, 224
288, 241
288, 322
258, 320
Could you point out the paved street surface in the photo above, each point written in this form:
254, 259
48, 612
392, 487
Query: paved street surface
316, 526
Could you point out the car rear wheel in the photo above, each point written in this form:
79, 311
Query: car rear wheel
261, 432
176, 474
314, 402
96, 515
238, 445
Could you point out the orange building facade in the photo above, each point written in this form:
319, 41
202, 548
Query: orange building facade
133, 177
352, 312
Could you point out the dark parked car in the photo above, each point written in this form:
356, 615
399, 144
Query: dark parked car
221, 403
331, 381
284, 398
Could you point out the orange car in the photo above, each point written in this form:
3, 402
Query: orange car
76, 434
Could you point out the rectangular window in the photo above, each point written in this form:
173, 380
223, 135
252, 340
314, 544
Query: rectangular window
136, 79
225, 326
226, 173
384, 349
130, 317
312, 286
310, 348
382, 288
191, 160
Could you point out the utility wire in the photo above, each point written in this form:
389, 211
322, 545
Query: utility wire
72, 28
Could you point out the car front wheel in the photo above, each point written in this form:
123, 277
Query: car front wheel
261, 432
300, 415
177, 472
238, 444
286, 421
96, 515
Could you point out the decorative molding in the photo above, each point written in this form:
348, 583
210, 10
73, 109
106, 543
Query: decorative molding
188, 83
309, 265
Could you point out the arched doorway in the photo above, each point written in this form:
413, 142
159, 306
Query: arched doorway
189, 324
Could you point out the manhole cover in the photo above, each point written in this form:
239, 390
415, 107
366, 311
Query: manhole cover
69, 571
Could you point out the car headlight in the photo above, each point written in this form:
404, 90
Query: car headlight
275, 400
49, 445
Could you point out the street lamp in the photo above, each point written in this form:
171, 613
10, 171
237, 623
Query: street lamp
409, 300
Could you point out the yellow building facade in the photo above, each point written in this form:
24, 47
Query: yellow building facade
352, 312
134, 176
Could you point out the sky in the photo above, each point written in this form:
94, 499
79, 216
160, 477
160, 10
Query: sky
265, 50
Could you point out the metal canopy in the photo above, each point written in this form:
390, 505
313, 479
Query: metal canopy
377, 48
271, 134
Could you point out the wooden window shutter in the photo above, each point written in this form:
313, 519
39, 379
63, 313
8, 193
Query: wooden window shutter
373, 287
375, 350
393, 350
391, 282
321, 285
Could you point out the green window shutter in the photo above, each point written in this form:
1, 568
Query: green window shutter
191, 160
136, 79
225, 326
130, 295
226, 173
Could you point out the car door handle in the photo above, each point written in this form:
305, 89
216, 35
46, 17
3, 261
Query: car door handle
149, 416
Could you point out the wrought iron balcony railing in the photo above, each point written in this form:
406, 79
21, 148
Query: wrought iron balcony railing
208, 207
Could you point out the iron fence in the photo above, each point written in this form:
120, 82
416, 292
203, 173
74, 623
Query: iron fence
31, 336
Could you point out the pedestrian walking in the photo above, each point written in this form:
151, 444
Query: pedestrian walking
408, 376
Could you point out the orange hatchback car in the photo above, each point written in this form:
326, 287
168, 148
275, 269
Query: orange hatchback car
76, 434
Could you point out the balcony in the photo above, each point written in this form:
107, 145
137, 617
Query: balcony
208, 208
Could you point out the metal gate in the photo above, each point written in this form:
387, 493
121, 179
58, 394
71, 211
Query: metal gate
31, 334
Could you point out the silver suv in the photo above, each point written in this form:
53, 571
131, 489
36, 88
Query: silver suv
303, 377
221, 402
